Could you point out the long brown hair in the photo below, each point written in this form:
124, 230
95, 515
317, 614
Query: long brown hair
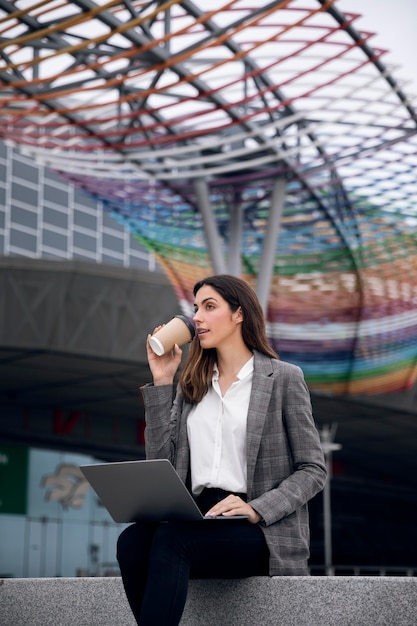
196, 376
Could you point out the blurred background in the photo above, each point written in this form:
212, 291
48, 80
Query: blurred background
275, 142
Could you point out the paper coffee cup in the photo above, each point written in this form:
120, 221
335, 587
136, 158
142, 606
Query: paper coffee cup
179, 330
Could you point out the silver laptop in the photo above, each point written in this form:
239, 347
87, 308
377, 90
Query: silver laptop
134, 491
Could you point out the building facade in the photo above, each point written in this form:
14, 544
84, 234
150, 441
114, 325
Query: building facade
54, 524
42, 216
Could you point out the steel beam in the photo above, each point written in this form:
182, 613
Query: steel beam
210, 227
234, 261
266, 268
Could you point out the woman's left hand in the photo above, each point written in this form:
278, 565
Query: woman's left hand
234, 505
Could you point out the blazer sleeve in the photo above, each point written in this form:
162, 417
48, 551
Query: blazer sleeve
160, 418
296, 469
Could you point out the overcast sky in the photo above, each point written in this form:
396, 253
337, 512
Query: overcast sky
395, 25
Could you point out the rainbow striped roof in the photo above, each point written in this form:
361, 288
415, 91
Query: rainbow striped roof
135, 102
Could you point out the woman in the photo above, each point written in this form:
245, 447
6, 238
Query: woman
239, 431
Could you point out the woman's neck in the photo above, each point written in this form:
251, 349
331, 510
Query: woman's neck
230, 362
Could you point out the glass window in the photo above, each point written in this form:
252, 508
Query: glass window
56, 254
26, 171
21, 193
54, 240
24, 217
79, 254
85, 242
55, 218
110, 242
136, 262
111, 260
85, 220
25, 241
51, 177
112, 223
83, 200
54, 196
135, 244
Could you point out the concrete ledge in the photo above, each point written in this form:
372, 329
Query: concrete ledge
278, 601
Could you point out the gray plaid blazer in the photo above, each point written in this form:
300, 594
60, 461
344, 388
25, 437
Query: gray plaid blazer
285, 462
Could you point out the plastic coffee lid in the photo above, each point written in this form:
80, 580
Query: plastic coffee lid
189, 323
156, 346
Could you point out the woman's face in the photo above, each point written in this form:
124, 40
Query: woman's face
214, 321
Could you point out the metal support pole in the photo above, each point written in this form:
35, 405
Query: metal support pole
263, 285
327, 516
210, 227
167, 27
235, 242
327, 440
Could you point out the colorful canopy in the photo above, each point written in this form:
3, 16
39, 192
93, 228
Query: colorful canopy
135, 102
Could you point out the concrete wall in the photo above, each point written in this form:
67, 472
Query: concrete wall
278, 601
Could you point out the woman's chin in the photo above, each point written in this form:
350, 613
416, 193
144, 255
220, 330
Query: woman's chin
205, 343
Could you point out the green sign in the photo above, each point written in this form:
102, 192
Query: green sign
13, 479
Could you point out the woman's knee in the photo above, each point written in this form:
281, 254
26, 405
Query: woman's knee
133, 540
171, 538
125, 541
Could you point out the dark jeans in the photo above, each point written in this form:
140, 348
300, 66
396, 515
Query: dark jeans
157, 560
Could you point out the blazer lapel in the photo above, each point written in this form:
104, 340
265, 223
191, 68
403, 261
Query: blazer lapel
262, 383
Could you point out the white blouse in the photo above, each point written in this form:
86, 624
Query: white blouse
216, 430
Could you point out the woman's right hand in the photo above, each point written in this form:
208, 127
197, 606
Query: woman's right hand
163, 367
